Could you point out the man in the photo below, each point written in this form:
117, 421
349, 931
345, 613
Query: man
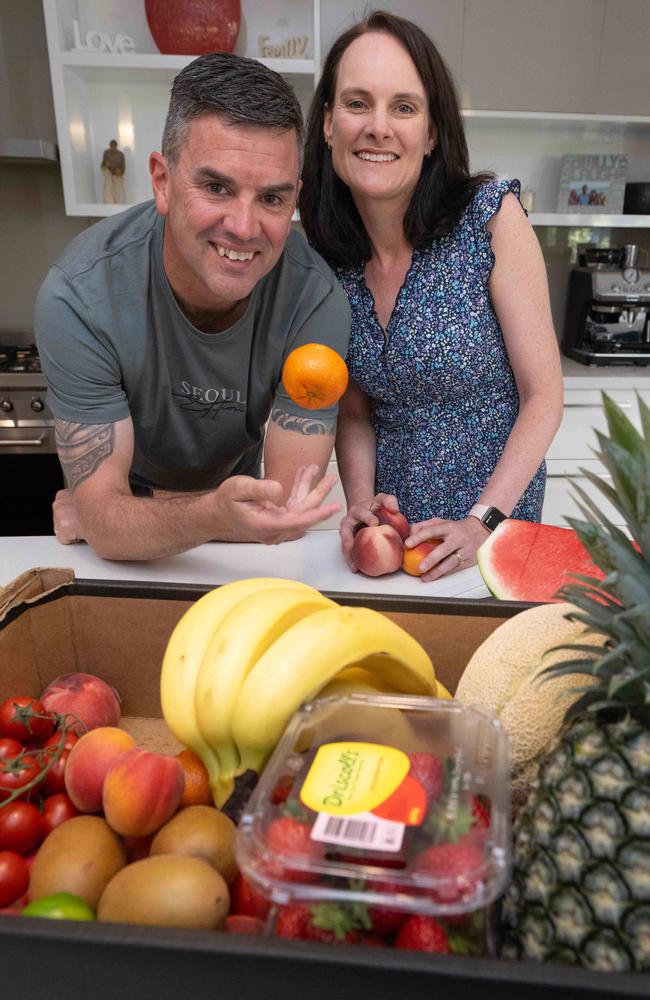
163, 330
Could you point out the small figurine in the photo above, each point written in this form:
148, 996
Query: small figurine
113, 166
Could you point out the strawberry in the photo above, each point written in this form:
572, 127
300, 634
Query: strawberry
323, 934
288, 838
333, 922
481, 811
238, 923
459, 864
429, 770
292, 921
371, 940
383, 919
247, 901
282, 789
422, 933
325, 922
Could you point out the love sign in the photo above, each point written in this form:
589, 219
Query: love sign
100, 41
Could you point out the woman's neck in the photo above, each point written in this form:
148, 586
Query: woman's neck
384, 224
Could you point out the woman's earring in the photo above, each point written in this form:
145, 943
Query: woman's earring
329, 144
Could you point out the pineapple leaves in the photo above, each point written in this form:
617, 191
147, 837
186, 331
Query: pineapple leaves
621, 428
644, 411
618, 606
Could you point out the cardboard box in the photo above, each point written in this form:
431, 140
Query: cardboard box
52, 624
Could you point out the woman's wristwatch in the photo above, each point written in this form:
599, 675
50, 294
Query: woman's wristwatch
490, 517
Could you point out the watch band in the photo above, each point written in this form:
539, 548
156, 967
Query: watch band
490, 517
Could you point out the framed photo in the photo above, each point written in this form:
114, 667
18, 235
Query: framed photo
592, 183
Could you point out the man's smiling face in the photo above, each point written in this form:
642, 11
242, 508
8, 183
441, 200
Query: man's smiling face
228, 203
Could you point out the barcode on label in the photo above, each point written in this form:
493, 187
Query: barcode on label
361, 830
350, 829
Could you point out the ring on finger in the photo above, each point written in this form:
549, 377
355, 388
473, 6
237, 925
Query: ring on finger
459, 557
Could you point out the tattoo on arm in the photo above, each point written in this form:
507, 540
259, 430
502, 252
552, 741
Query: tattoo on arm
304, 425
82, 448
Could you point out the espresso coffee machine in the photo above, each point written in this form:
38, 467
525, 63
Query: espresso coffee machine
608, 311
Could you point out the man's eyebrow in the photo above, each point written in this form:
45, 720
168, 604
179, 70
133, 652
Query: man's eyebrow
210, 174
360, 92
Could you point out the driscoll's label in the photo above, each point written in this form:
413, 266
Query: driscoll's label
363, 794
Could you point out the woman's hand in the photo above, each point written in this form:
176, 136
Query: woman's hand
459, 541
358, 516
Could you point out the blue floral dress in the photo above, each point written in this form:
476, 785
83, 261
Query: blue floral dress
443, 395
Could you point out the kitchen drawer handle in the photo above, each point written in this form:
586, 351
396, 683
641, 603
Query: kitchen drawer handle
20, 442
623, 406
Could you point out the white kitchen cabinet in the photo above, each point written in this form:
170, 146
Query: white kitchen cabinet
575, 445
101, 94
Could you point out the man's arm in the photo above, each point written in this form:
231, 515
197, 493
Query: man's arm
96, 459
293, 441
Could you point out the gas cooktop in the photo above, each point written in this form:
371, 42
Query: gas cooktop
19, 360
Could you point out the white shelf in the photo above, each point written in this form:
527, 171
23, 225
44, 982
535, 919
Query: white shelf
560, 120
104, 95
591, 220
156, 62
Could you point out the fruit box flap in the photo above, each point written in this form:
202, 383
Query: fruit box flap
44, 634
32, 585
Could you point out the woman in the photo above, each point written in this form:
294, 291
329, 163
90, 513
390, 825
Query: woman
456, 388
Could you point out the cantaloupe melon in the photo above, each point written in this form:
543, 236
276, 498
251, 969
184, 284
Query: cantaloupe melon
503, 676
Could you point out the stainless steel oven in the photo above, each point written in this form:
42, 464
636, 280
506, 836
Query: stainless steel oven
30, 473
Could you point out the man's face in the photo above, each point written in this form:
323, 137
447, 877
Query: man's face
228, 204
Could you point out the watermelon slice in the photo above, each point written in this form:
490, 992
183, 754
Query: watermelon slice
527, 561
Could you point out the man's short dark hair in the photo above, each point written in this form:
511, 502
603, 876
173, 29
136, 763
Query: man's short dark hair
241, 91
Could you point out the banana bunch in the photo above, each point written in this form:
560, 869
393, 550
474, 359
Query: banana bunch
245, 656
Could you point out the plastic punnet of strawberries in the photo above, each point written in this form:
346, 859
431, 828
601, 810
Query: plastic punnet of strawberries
382, 820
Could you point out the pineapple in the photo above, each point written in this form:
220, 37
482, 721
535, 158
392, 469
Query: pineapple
580, 891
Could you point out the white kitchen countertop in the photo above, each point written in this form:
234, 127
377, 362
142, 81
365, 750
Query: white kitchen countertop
577, 376
315, 559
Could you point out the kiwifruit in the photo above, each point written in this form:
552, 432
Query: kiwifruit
168, 890
200, 832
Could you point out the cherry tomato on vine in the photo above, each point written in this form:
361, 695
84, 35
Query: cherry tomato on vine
14, 877
54, 780
26, 719
17, 773
9, 747
56, 810
21, 827
55, 740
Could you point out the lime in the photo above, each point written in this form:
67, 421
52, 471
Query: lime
59, 906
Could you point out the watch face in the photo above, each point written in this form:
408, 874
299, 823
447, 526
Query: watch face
631, 274
493, 518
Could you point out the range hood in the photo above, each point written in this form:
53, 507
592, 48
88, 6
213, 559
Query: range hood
28, 151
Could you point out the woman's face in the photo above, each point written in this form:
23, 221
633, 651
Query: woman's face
378, 125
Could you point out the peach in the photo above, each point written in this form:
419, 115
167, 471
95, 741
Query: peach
397, 521
88, 764
413, 557
377, 550
142, 790
91, 700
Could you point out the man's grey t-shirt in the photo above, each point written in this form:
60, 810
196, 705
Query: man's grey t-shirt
114, 342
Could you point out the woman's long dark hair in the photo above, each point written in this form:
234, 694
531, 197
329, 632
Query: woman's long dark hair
327, 210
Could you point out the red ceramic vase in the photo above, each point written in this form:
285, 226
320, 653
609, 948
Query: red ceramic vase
193, 27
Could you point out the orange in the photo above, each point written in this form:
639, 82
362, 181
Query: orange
315, 376
197, 786
413, 557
